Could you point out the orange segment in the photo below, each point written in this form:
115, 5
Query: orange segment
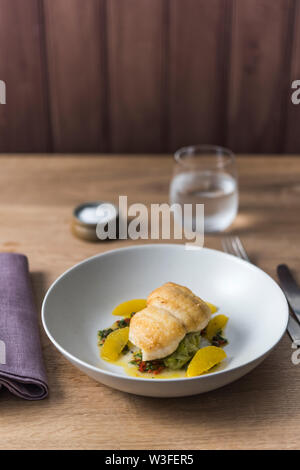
125, 309
205, 359
212, 307
216, 324
114, 344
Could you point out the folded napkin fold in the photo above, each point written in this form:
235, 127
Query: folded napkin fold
21, 364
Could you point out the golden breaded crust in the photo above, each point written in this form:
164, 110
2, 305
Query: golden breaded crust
155, 332
182, 304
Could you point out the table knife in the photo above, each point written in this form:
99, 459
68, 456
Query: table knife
293, 329
292, 293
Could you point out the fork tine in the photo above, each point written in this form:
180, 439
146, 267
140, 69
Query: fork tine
234, 246
242, 249
226, 245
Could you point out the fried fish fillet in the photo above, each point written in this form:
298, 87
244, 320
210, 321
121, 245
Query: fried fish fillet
155, 332
172, 311
180, 302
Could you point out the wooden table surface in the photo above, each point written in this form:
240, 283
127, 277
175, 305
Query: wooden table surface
259, 411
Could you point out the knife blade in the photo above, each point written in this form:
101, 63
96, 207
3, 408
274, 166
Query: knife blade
290, 288
292, 293
293, 329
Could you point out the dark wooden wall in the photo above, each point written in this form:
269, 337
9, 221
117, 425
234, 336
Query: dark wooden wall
149, 75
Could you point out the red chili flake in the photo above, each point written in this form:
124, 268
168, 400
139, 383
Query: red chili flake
142, 366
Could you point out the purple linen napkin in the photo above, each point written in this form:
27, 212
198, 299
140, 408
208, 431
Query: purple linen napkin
21, 364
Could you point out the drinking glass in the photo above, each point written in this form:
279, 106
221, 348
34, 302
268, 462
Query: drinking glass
207, 174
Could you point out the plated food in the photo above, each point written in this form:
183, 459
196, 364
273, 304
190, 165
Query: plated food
171, 334
81, 301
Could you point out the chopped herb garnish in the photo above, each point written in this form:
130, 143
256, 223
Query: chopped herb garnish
219, 340
123, 323
155, 367
103, 334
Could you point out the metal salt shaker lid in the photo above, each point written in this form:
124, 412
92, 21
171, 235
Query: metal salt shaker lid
88, 215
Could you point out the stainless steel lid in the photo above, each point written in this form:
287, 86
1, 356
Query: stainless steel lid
88, 215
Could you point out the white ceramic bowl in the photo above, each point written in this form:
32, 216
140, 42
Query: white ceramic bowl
81, 300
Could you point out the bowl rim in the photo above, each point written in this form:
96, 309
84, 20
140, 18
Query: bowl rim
92, 368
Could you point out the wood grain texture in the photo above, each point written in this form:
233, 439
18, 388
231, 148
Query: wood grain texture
149, 75
75, 44
260, 36
24, 124
136, 55
199, 43
257, 412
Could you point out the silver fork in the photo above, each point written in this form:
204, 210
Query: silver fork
233, 246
